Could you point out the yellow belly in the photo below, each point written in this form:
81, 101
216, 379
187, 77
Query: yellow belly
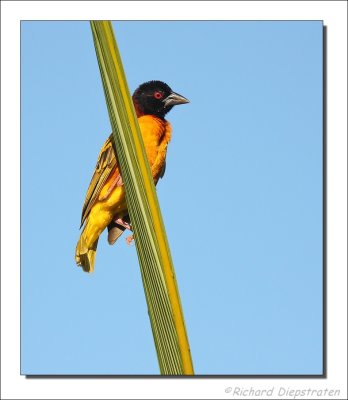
115, 203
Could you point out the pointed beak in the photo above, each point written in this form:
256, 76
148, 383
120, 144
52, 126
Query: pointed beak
174, 99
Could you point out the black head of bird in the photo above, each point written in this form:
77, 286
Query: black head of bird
156, 98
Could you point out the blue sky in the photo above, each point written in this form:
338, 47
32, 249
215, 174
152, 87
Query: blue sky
241, 198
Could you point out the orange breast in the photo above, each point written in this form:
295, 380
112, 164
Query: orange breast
156, 135
153, 131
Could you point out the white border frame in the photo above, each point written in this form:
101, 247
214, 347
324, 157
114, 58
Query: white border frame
334, 14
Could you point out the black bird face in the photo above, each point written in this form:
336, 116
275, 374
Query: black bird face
156, 98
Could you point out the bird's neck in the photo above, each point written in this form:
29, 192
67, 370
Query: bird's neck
154, 129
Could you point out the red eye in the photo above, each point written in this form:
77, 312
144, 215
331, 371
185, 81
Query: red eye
158, 95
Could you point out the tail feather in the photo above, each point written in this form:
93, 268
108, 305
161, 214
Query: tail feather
84, 256
117, 227
114, 232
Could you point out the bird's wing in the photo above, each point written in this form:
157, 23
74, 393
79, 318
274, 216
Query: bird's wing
106, 168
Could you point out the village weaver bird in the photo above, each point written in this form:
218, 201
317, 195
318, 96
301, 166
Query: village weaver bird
105, 204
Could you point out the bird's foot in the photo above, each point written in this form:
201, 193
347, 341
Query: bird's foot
129, 239
123, 223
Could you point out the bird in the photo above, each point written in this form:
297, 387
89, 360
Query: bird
105, 203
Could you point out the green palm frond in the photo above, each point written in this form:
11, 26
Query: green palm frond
155, 261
